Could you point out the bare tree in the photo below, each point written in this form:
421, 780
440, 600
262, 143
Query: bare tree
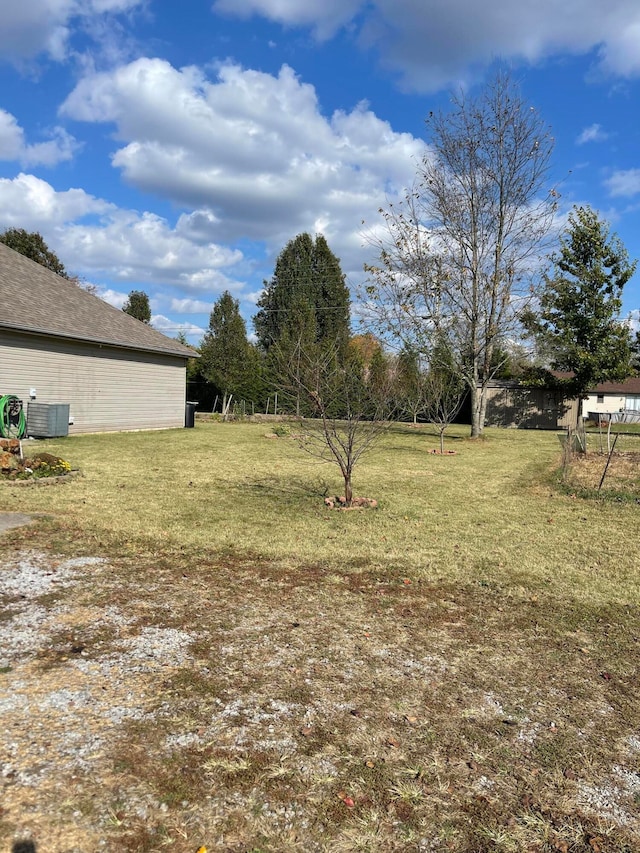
443, 392
457, 257
347, 415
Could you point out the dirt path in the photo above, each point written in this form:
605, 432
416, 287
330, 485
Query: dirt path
148, 704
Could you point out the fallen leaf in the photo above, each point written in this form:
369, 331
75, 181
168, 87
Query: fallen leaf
606, 676
392, 741
370, 764
349, 803
306, 731
411, 719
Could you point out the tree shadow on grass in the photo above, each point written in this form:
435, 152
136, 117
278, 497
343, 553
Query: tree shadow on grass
283, 488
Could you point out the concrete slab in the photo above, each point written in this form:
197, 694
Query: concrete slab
13, 519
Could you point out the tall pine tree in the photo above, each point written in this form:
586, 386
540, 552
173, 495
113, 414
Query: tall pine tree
227, 357
578, 325
307, 279
137, 305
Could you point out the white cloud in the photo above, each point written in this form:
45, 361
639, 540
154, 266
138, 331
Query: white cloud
431, 43
190, 306
593, 133
113, 297
252, 153
33, 27
13, 146
252, 298
325, 16
98, 239
172, 329
29, 202
625, 182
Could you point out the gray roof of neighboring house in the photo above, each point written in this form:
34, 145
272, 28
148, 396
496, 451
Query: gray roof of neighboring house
34, 299
629, 386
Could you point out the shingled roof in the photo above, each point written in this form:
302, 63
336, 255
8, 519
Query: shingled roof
34, 299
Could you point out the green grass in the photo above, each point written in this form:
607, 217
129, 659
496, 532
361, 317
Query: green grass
454, 671
489, 513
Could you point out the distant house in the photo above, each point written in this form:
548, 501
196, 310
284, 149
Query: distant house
610, 397
61, 344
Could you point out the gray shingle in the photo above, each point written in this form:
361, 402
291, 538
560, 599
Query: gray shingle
34, 299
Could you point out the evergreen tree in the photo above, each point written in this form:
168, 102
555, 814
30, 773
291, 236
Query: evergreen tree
635, 353
32, 245
137, 305
307, 277
193, 366
578, 325
226, 354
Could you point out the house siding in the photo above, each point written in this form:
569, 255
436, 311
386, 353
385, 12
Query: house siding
107, 388
611, 403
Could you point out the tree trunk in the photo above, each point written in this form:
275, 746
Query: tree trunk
478, 410
441, 442
348, 492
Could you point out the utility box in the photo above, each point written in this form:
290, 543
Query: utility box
47, 420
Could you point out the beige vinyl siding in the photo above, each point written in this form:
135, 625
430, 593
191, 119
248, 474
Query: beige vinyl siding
107, 388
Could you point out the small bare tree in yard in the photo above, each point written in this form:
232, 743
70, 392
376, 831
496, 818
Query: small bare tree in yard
346, 415
443, 390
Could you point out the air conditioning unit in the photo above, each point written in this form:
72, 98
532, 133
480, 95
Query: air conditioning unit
47, 420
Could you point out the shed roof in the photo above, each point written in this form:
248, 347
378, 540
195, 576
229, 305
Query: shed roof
34, 299
631, 385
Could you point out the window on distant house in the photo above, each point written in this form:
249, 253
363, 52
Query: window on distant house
600, 398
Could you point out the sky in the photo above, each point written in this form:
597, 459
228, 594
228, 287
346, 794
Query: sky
176, 148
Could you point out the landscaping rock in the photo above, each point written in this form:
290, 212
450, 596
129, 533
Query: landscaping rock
340, 502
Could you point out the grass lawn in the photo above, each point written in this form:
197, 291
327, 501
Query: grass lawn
456, 670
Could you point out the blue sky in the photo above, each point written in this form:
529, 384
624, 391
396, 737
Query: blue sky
176, 148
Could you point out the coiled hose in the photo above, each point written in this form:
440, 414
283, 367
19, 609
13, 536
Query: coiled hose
13, 423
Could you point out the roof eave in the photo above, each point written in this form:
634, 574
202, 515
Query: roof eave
30, 330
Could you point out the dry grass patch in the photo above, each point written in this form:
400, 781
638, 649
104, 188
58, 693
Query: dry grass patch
622, 476
456, 671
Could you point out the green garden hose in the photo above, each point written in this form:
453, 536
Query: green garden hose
13, 423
